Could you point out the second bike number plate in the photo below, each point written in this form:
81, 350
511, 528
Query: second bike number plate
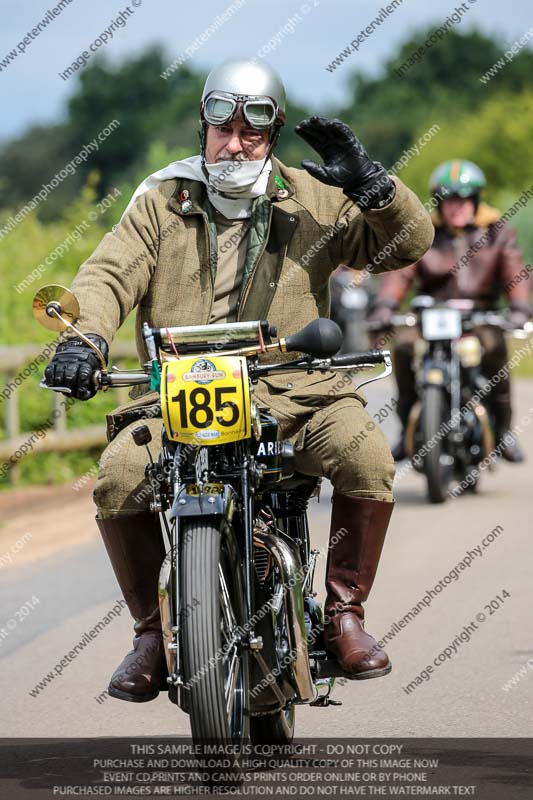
441, 323
205, 400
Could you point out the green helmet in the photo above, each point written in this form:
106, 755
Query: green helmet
457, 177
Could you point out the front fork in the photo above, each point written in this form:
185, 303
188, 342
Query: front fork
455, 395
284, 553
444, 369
221, 505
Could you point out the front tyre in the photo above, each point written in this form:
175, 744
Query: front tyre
277, 728
438, 463
212, 610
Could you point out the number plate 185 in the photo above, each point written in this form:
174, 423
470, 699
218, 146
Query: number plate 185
206, 400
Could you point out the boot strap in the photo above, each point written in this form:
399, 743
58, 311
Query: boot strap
150, 623
341, 608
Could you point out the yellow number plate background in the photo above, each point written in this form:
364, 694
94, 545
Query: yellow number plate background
206, 400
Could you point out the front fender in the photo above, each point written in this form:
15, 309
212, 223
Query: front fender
434, 373
217, 500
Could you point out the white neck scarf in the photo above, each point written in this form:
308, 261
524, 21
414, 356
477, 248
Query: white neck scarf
242, 181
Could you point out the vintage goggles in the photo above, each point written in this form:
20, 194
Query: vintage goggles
258, 111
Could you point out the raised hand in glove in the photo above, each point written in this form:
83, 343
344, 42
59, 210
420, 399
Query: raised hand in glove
346, 162
74, 364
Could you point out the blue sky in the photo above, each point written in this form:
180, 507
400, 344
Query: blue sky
31, 90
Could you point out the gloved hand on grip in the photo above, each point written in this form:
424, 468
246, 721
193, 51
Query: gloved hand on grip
519, 314
346, 163
74, 364
381, 315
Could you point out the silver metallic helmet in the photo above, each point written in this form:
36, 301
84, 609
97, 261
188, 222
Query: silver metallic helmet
242, 85
257, 87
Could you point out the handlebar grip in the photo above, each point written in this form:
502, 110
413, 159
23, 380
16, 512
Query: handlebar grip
355, 359
378, 325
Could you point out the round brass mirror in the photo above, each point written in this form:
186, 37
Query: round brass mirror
59, 299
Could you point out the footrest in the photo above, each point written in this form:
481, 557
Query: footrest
327, 666
324, 700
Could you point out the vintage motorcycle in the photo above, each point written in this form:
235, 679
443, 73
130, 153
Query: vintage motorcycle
241, 627
450, 429
349, 303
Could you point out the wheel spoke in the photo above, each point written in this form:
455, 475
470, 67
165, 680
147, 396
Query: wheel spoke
232, 661
227, 610
229, 689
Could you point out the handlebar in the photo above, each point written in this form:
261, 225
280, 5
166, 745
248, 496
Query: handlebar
371, 357
117, 378
396, 321
471, 320
492, 318
120, 378
104, 380
487, 318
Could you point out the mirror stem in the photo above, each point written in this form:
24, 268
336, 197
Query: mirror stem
51, 310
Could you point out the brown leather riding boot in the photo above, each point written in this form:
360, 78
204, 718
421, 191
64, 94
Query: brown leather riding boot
506, 441
358, 528
136, 550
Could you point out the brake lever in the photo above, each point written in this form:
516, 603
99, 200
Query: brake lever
387, 361
64, 389
99, 380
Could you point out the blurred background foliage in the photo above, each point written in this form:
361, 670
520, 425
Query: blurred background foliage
489, 123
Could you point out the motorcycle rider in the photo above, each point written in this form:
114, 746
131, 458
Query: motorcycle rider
169, 256
464, 226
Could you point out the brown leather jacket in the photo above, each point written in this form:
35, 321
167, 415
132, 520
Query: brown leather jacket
479, 262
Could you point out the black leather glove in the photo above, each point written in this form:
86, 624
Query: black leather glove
517, 318
346, 162
519, 313
381, 315
73, 365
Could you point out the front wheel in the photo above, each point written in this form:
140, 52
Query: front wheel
438, 463
212, 611
277, 728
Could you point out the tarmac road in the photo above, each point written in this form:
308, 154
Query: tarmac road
64, 568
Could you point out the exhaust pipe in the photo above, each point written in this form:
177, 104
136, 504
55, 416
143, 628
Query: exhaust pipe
165, 610
487, 434
410, 428
283, 551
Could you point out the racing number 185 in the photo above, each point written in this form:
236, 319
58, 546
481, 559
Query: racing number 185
200, 405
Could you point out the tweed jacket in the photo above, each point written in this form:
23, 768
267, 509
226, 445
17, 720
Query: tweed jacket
161, 258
